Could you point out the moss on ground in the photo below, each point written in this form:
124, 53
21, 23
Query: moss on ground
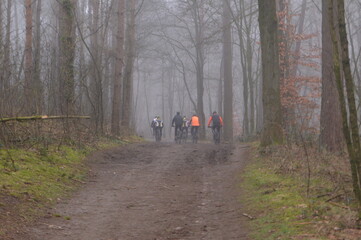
32, 179
280, 206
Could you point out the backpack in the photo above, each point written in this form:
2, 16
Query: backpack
216, 121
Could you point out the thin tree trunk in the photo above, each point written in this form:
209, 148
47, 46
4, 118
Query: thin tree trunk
198, 24
28, 74
38, 86
348, 110
129, 67
228, 79
7, 61
2, 67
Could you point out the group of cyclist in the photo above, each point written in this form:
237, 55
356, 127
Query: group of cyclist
182, 124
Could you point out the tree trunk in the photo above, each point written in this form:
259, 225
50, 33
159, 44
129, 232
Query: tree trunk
199, 44
228, 79
38, 86
119, 62
2, 67
331, 122
66, 56
7, 61
348, 109
272, 128
28, 74
129, 67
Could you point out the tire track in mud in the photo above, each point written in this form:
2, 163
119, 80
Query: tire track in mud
154, 191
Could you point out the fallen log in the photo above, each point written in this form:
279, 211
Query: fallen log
43, 117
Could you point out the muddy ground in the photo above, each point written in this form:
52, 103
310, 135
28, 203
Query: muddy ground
153, 191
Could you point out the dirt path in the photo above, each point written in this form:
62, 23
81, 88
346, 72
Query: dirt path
154, 191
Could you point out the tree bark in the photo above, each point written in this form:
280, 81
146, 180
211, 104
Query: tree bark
272, 129
28, 74
228, 79
129, 67
38, 86
67, 55
331, 136
348, 109
118, 67
7, 61
199, 44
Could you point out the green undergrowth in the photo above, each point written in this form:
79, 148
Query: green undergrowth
38, 177
278, 206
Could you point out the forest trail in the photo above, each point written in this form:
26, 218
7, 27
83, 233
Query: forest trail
151, 191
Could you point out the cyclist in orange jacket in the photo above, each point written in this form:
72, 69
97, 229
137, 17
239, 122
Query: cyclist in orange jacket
194, 123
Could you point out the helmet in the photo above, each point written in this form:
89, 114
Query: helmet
178, 113
215, 112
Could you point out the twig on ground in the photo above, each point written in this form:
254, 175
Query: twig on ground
249, 216
339, 205
330, 199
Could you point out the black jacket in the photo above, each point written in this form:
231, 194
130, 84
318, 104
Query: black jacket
177, 120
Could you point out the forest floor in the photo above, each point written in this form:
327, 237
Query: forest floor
153, 191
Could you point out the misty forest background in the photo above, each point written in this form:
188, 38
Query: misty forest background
123, 62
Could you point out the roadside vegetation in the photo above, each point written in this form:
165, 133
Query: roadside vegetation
299, 192
39, 172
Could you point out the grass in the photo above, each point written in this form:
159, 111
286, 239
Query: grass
42, 177
33, 179
280, 206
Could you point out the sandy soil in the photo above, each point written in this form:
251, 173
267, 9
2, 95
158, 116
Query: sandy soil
154, 191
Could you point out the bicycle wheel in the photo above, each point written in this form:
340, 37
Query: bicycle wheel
157, 135
216, 136
184, 136
179, 137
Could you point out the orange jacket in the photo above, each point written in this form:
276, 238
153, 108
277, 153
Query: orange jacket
211, 118
195, 121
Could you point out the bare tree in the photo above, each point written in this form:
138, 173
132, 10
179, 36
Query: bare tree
28, 83
129, 65
343, 76
228, 78
66, 56
118, 68
272, 128
330, 122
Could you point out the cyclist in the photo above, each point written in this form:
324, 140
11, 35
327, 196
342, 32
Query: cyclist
185, 126
157, 123
216, 120
177, 123
194, 123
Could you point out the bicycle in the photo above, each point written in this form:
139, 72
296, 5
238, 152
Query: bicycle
216, 135
184, 135
158, 135
178, 138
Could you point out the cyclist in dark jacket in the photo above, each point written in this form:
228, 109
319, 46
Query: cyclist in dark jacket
177, 124
216, 120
